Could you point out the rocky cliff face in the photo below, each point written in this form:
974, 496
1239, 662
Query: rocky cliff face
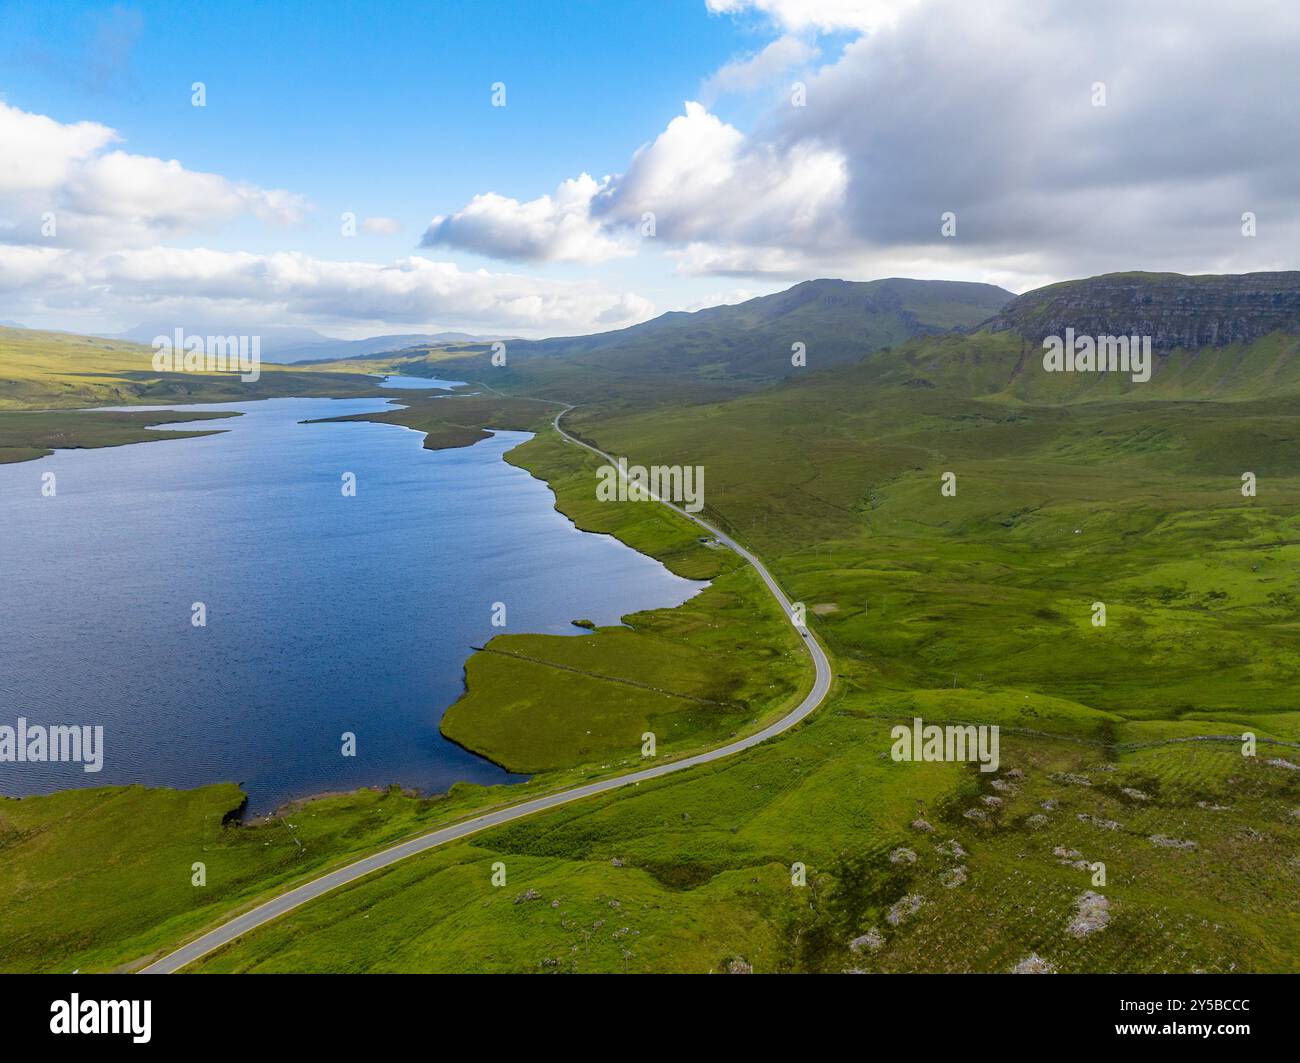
1174, 310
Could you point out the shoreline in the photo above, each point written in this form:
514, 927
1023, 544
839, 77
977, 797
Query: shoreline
397, 400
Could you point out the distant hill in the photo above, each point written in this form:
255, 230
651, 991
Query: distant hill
327, 350
724, 348
288, 344
60, 370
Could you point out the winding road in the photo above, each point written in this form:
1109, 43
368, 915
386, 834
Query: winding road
308, 891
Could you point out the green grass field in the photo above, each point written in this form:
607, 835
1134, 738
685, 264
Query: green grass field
28, 434
46, 376
976, 607
693, 872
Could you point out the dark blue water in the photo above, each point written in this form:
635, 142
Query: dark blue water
325, 613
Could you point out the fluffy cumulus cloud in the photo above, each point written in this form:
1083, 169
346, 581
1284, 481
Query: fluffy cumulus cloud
699, 180
990, 111
102, 259
995, 113
66, 185
550, 228
292, 288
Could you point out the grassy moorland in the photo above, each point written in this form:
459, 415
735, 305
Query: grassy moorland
1121, 743
909, 866
976, 607
28, 434
723, 662
45, 375
94, 879
60, 370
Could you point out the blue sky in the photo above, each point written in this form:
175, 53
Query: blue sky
369, 108
911, 108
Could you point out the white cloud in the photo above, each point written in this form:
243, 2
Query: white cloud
556, 228
701, 178
293, 288
39, 152
705, 180
945, 105
822, 15
102, 198
758, 71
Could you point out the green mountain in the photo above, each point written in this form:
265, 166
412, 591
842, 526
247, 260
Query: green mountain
1226, 338
1176, 311
724, 349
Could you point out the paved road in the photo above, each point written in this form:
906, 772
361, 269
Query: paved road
308, 891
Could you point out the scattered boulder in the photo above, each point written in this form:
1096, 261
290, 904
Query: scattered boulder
1034, 964
528, 895
1051, 804
975, 813
616, 862
1014, 773
739, 966
1135, 794
1068, 777
1278, 762
952, 847
953, 877
872, 940
904, 908
1091, 913
902, 856
921, 825
991, 801
1171, 843
1037, 820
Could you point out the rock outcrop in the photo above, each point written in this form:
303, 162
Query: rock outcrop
1173, 309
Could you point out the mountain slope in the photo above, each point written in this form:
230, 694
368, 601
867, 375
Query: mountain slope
728, 348
1225, 338
1206, 310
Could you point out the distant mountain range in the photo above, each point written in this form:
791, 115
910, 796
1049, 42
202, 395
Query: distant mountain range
287, 344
